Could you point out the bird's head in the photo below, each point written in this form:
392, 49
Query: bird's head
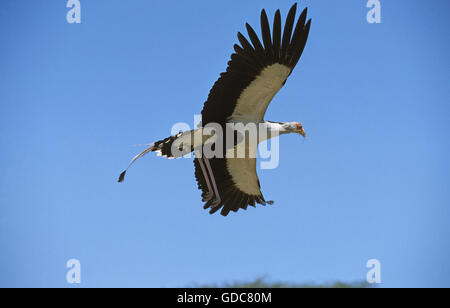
295, 127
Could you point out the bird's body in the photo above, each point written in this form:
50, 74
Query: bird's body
240, 97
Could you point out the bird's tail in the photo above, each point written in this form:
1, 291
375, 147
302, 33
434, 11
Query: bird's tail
172, 147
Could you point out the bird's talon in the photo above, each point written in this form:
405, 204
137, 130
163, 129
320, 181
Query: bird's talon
208, 197
215, 204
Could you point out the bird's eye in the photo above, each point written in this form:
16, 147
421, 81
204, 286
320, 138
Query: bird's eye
299, 126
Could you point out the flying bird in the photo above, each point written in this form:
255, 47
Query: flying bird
256, 72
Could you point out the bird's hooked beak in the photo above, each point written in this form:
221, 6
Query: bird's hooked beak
300, 130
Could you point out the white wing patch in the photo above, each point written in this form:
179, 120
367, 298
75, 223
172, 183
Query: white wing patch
254, 100
251, 107
243, 173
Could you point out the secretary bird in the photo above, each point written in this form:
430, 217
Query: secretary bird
256, 72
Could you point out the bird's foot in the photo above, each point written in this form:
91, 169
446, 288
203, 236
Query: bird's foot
215, 203
208, 196
264, 202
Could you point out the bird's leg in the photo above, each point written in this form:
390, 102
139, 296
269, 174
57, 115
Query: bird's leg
209, 195
213, 181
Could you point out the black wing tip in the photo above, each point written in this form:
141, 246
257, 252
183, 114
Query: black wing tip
241, 37
307, 28
122, 177
294, 6
215, 209
249, 28
305, 11
224, 212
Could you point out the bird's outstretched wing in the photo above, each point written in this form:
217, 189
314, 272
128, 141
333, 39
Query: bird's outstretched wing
237, 190
257, 71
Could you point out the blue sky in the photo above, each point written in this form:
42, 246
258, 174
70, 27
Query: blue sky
370, 181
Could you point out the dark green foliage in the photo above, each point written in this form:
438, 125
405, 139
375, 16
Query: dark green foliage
260, 283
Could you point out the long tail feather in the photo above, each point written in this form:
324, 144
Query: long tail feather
148, 150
